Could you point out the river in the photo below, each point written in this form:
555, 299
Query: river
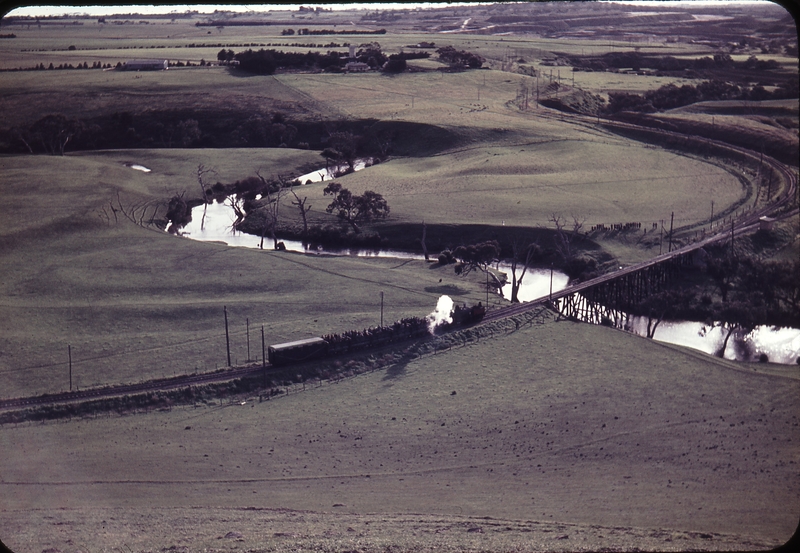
779, 345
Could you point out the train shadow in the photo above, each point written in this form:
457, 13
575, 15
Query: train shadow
397, 370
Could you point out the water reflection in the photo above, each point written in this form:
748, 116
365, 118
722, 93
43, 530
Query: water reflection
330, 173
217, 226
779, 345
138, 167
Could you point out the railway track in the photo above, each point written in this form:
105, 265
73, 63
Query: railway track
744, 224
129, 389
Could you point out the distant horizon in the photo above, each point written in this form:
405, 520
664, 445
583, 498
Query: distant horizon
124, 9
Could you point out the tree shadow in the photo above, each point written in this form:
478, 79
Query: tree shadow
447, 289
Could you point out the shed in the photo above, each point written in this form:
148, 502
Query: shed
765, 223
145, 65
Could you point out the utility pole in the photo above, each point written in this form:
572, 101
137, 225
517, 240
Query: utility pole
731, 236
551, 283
227, 336
247, 322
661, 237
381, 308
769, 186
671, 218
69, 352
263, 356
710, 226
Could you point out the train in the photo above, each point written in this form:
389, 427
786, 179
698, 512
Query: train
464, 315
331, 345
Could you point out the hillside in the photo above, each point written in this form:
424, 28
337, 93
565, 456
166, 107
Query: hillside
584, 431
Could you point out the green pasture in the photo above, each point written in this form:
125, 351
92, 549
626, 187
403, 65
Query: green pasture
553, 422
136, 303
29, 95
597, 179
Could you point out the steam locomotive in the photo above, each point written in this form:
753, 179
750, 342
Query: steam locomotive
332, 345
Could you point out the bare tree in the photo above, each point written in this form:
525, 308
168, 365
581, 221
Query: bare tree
53, 132
304, 209
565, 238
523, 254
271, 194
202, 171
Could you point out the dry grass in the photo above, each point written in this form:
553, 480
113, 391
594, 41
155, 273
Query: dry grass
610, 439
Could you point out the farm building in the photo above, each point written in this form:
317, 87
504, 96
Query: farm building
145, 65
356, 66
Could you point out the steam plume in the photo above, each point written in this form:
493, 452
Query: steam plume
442, 314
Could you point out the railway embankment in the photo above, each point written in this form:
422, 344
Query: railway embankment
255, 382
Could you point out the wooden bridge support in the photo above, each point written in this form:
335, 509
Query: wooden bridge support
610, 300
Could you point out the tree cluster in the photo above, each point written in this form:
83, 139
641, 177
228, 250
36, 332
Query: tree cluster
50, 134
460, 58
266, 62
478, 257
41, 66
748, 292
671, 96
316, 32
637, 61
355, 209
260, 131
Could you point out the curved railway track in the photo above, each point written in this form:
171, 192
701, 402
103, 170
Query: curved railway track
743, 224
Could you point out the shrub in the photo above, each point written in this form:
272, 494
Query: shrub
446, 257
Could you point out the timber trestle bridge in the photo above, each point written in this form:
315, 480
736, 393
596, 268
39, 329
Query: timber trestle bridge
612, 296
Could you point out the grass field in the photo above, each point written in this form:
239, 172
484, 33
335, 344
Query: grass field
135, 303
610, 439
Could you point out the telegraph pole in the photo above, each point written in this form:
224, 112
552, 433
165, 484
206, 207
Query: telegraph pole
263, 356
671, 218
711, 226
227, 336
247, 322
381, 308
69, 352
